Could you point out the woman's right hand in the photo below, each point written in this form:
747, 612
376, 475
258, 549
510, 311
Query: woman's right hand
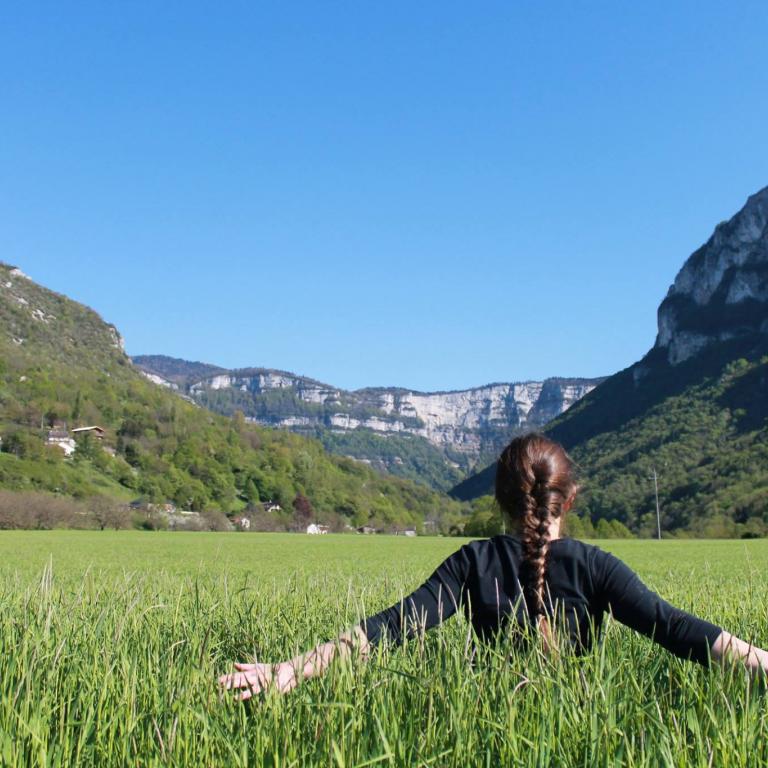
250, 679
285, 676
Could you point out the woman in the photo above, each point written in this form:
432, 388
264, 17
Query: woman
533, 579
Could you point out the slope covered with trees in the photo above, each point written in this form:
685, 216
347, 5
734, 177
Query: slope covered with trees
61, 364
704, 436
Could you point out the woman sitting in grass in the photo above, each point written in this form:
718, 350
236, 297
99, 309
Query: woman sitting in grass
531, 580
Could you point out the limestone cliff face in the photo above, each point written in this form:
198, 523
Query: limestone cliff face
469, 422
721, 292
466, 420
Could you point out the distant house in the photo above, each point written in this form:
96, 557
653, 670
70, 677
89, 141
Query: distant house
366, 529
167, 508
272, 506
97, 432
409, 532
61, 439
242, 523
315, 529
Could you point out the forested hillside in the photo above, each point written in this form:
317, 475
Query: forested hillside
62, 366
693, 410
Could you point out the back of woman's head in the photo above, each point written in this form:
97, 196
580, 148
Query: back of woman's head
535, 484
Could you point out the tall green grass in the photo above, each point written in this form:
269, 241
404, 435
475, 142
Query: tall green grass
110, 644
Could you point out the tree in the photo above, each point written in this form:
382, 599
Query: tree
108, 513
77, 407
191, 494
24, 445
486, 519
579, 527
302, 512
213, 520
603, 529
86, 447
611, 529
238, 422
620, 531
251, 492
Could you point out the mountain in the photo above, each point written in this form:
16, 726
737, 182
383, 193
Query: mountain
430, 436
693, 410
62, 366
175, 373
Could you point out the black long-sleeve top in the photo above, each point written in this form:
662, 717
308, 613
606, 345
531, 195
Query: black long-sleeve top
583, 582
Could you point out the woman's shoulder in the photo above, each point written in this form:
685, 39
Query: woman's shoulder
593, 555
564, 546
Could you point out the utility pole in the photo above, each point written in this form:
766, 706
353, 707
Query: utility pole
658, 511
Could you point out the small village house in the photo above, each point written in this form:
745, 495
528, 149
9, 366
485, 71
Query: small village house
97, 432
61, 438
366, 529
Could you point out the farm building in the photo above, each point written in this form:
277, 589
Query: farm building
366, 529
61, 439
97, 432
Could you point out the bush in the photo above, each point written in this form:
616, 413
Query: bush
107, 513
40, 511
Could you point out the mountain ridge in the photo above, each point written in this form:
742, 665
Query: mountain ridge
455, 428
153, 363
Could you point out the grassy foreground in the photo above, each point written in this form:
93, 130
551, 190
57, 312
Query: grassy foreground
110, 643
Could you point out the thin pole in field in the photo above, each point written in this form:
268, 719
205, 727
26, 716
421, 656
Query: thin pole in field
658, 511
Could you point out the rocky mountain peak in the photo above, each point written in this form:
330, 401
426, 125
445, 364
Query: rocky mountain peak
721, 292
462, 425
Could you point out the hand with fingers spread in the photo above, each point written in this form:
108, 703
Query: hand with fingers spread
250, 679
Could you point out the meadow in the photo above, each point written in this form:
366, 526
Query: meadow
111, 642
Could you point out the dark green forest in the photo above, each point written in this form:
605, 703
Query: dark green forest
701, 426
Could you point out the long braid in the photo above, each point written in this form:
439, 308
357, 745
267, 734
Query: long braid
536, 538
533, 480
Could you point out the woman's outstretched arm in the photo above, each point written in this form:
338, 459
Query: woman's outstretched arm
432, 603
680, 632
284, 676
728, 647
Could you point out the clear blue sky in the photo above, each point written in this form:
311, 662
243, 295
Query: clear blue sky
433, 195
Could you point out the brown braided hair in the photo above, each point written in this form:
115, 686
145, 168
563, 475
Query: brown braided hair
535, 483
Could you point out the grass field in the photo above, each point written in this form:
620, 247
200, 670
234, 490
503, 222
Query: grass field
110, 644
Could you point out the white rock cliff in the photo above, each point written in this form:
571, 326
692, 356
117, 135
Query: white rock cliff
721, 292
463, 421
